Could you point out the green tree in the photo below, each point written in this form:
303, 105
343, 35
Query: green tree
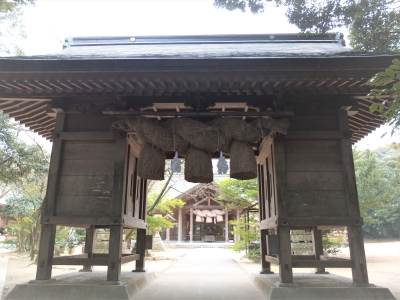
238, 193
387, 99
372, 184
25, 198
12, 26
23, 179
159, 203
373, 24
242, 194
378, 182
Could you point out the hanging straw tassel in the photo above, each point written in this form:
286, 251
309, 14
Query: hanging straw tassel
243, 163
198, 166
151, 163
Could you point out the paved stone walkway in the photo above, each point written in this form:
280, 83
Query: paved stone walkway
202, 274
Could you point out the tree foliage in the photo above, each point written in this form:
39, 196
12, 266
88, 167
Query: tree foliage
389, 108
163, 207
11, 25
378, 183
238, 193
23, 180
373, 24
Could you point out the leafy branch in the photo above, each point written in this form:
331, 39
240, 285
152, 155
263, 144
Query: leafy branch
389, 108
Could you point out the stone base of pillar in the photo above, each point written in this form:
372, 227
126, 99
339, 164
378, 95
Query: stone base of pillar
88, 286
310, 286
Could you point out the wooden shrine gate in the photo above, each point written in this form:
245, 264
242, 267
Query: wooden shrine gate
306, 177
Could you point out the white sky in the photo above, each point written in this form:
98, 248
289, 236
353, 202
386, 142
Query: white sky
51, 21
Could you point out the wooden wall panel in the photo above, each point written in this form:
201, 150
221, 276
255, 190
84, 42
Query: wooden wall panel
83, 206
86, 122
315, 181
312, 146
85, 185
317, 203
92, 167
314, 122
314, 162
88, 150
86, 178
316, 108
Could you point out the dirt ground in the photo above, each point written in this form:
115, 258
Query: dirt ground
383, 262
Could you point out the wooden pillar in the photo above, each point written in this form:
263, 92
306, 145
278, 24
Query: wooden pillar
140, 249
115, 253
48, 234
226, 226
265, 266
356, 240
89, 246
318, 248
180, 225
46, 251
285, 255
116, 231
191, 225
237, 236
167, 236
141, 233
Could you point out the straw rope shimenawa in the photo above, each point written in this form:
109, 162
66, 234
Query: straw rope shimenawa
200, 135
156, 135
196, 140
151, 163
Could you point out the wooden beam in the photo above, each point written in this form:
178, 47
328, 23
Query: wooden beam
322, 264
200, 114
86, 136
303, 257
272, 259
308, 222
132, 222
70, 260
318, 134
128, 258
84, 220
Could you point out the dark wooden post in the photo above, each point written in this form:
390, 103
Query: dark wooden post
191, 225
180, 225
140, 249
89, 246
356, 240
116, 231
265, 266
226, 226
141, 233
285, 255
318, 248
48, 234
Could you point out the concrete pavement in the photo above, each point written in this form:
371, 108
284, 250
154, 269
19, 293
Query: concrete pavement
202, 274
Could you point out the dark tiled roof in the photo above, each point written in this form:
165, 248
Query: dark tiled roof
201, 47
